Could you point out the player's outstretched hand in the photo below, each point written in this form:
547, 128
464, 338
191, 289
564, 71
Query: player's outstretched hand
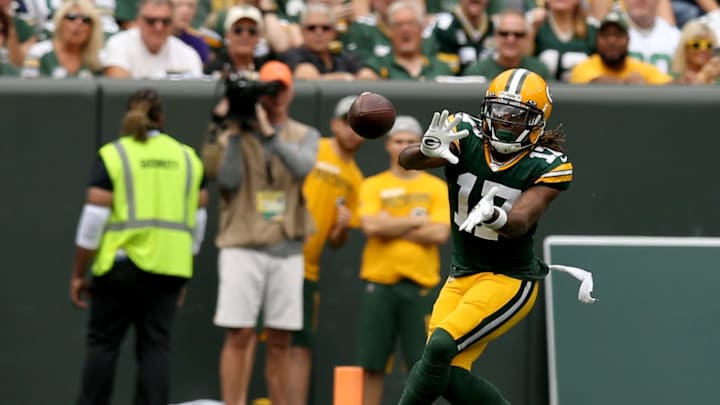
482, 212
439, 135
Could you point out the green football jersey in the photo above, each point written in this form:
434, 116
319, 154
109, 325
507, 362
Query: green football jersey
489, 68
460, 44
561, 56
387, 68
368, 37
485, 250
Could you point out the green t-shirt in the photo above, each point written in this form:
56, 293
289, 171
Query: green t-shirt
24, 28
489, 68
42, 60
484, 249
387, 68
561, 56
367, 37
460, 45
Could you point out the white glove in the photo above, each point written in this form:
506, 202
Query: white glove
585, 278
482, 212
436, 141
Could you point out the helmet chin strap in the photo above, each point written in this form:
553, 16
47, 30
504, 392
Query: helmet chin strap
506, 147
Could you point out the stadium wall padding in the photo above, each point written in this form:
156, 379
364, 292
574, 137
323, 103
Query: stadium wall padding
643, 166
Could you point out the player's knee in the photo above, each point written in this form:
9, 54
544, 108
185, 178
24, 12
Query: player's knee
441, 347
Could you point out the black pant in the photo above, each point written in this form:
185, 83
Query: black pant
122, 297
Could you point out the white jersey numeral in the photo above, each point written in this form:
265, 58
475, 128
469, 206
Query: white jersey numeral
467, 181
548, 154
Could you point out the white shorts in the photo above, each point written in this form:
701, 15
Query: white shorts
250, 280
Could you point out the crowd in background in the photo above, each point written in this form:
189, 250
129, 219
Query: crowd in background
443, 40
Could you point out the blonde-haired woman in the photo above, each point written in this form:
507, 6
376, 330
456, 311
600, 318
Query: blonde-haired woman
566, 38
694, 61
74, 49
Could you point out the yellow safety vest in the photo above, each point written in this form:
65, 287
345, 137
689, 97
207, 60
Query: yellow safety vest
155, 196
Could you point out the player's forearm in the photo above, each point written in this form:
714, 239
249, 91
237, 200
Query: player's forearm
412, 159
527, 210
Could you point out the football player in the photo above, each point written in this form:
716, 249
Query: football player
503, 170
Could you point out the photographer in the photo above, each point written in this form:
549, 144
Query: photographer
259, 157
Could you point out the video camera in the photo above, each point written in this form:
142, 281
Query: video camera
243, 91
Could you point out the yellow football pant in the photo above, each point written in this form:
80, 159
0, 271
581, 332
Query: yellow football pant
478, 308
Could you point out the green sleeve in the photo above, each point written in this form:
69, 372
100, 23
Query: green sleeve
23, 28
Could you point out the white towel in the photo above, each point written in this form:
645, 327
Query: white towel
585, 278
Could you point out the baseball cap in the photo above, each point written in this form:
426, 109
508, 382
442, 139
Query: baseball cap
615, 17
343, 106
406, 123
274, 70
243, 11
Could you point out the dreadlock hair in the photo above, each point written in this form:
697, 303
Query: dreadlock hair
553, 139
144, 113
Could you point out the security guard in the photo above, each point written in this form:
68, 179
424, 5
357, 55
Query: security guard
143, 220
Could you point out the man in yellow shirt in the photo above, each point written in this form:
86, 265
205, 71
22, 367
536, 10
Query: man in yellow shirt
611, 63
405, 215
331, 194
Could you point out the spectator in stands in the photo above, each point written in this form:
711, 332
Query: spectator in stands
39, 14
461, 34
694, 62
74, 49
611, 63
276, 38
369, 36
406, 59
20, 33
512, 41
321, 55
149, 51
345, 13
652, 39
565, 38
183, 16
243, 32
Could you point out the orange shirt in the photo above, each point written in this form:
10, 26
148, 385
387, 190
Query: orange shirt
593, 67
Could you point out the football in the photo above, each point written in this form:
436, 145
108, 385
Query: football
371, 115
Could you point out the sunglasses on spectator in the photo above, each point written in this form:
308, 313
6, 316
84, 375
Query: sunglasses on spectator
76, 16
237, 30
516, 34
700, 44
165, 21
315, 27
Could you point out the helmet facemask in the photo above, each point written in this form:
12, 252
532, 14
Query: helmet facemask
510, 126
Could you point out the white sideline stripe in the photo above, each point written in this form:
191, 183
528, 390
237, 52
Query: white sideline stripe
585, 240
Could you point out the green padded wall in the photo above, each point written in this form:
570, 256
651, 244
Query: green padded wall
652, 336
49, 129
